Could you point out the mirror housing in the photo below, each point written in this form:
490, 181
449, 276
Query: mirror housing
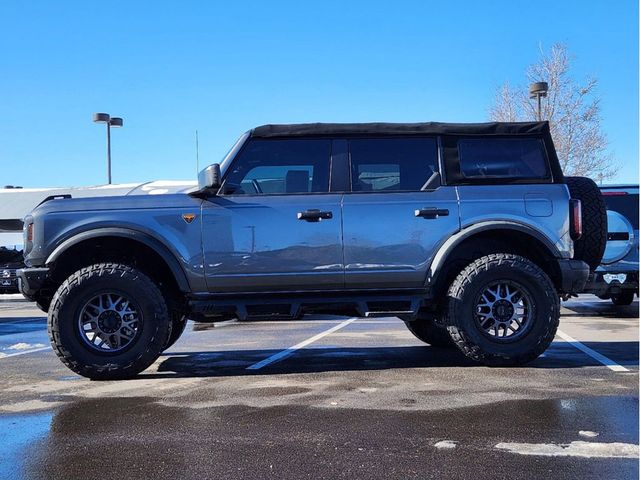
210, 178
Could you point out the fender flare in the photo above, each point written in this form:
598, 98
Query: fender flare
156, 245
440, 258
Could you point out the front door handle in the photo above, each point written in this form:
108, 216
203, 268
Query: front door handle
432, 212
314, 215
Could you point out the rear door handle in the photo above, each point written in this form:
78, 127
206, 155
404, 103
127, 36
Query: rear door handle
314, 215
432, 212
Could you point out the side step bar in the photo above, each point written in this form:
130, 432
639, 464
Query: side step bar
369, 306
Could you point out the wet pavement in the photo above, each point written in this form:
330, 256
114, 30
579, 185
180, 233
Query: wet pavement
366, 400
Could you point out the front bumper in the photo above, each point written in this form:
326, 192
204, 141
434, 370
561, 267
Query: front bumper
31, 280
575, 274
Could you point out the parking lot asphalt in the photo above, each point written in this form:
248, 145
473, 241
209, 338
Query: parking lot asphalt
326, 397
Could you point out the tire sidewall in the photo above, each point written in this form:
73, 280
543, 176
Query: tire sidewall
544, 309
71, 298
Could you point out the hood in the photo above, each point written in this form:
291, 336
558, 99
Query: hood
128, 202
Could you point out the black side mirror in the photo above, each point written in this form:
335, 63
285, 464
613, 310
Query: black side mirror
210, 178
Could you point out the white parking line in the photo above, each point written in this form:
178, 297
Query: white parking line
289, 351
24, 352
592, 353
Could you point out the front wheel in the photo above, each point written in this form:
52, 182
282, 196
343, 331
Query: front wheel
108, 321
503, 310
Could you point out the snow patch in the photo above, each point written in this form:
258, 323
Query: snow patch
574, 449
446, 444
25, 346
588, 433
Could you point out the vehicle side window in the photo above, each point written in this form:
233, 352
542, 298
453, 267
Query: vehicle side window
392, 164
280, 167
489, 158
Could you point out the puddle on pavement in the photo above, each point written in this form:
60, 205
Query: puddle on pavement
19, 432
61, 445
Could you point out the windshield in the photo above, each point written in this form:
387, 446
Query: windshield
10, 254
232, 152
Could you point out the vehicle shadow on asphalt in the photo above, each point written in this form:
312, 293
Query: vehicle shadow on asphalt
600, 309
314, 360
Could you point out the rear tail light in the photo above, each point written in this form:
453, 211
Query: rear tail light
30, 232
613, 194
575, 218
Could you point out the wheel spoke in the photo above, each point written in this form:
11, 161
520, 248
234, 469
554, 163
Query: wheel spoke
502, 310
109, 322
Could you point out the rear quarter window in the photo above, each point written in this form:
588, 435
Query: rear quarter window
486, 159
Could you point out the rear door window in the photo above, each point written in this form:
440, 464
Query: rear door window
503, 158
392, 164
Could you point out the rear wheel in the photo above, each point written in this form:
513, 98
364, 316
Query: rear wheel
623, 298
430, 333
108, 321
502, 310
178, 324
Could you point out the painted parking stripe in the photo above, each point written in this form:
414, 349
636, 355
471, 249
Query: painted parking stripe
592, 353
24, 352
291, 350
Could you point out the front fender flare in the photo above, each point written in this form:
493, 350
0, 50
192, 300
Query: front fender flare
156, 245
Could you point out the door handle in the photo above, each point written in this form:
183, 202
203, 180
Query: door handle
314, 215
432, 212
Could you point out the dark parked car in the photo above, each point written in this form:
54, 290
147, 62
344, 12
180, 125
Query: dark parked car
617, 277
10, 261
470, 233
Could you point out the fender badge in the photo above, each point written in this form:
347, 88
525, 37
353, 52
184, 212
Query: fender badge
188, 217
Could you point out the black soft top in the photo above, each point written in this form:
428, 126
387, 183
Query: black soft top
426, 128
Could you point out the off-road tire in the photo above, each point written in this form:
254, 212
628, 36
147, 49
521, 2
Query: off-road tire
70, 298
460, 311
590, 247
429, 333
178, 324
623, 298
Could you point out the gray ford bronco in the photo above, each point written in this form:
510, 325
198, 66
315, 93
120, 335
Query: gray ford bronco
469, 233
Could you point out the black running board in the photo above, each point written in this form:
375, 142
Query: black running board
266, 307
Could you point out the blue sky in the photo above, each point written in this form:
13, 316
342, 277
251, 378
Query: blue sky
170, 68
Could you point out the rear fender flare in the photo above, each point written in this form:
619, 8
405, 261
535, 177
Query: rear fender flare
440, 258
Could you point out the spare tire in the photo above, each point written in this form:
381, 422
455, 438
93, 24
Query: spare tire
590, 247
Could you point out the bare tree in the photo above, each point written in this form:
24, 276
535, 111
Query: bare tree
572, 109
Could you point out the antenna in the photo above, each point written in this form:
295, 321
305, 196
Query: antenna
197, 155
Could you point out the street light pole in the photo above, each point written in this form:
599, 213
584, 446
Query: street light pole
111, 122
109, 152
538, 90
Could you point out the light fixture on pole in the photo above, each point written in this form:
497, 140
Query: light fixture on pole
539, 90
111, 122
